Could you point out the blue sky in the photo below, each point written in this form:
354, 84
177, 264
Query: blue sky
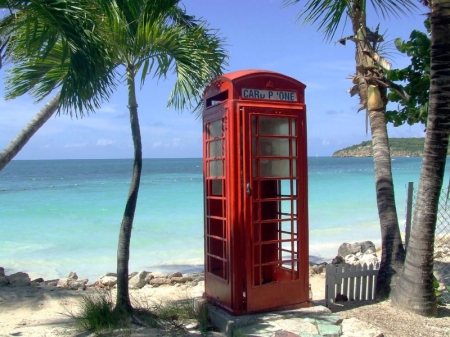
260, 34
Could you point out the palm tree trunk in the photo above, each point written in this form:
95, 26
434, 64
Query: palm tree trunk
393, 253
28, 131
415, 290
373, 98
123, 250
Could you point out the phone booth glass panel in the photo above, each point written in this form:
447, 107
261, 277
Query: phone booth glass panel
216, 221
255, 167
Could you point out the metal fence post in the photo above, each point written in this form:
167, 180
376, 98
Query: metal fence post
409, 205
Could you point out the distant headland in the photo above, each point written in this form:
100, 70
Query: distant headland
400, 147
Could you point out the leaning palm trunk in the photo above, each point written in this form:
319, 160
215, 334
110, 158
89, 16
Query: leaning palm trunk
372, 94
28, 131
415, 290
123, 249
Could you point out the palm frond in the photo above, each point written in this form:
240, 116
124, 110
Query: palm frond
202, 59
195, 55
41, 31
328, 15
80, 92
394, 8
172, 42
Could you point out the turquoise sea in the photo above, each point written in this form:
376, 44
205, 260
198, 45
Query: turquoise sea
58, 216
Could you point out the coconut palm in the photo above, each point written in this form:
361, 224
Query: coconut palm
370, 84
59, 43
415, 291
157, 37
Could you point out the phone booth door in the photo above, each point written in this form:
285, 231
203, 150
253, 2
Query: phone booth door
276, 215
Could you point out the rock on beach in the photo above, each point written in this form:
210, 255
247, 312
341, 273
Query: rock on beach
137, 280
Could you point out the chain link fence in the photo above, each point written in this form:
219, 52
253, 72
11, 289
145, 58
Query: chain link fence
442, 236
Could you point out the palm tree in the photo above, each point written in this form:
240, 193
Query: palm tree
157, 37
370, 84
415, 291
59, 42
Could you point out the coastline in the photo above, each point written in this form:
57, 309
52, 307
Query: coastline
162, 268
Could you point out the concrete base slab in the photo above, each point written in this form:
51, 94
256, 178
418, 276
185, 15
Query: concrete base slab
228, 323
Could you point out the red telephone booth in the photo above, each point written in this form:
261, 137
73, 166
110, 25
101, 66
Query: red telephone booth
256, 196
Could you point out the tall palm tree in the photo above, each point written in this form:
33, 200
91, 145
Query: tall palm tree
59, 42
415, 291
370, 84
157, 37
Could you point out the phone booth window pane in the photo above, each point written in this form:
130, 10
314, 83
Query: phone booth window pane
286, 189
293, 127
253, 125
273, 126
254, 139
215, 168
215, 129
294, 147
271, 168
274, 147
294, 168
294, 186
215, 148
216, 187
255, 168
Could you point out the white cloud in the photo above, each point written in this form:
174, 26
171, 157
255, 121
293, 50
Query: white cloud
104, 142
175, 143
110, 108
75, 145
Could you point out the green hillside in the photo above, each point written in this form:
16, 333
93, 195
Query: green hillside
400, 147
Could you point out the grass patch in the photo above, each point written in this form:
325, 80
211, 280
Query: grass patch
95, 313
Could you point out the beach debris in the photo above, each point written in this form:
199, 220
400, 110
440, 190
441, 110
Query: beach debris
72, 282
338, 260
159, 281
139, 280
3, 279
365, 247
317, 268
356, 253
19, 279
107, 281
176, 274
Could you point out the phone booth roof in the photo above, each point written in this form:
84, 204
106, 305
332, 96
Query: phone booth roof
260, 85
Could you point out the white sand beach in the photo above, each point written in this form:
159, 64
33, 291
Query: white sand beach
41, 311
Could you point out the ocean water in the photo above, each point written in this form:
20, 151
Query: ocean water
58, 216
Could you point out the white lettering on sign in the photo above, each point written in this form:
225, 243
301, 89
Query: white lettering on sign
270, 94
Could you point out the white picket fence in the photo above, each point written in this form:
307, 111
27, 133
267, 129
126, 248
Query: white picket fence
356, 282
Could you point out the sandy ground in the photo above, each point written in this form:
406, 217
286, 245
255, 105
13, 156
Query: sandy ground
42, 311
